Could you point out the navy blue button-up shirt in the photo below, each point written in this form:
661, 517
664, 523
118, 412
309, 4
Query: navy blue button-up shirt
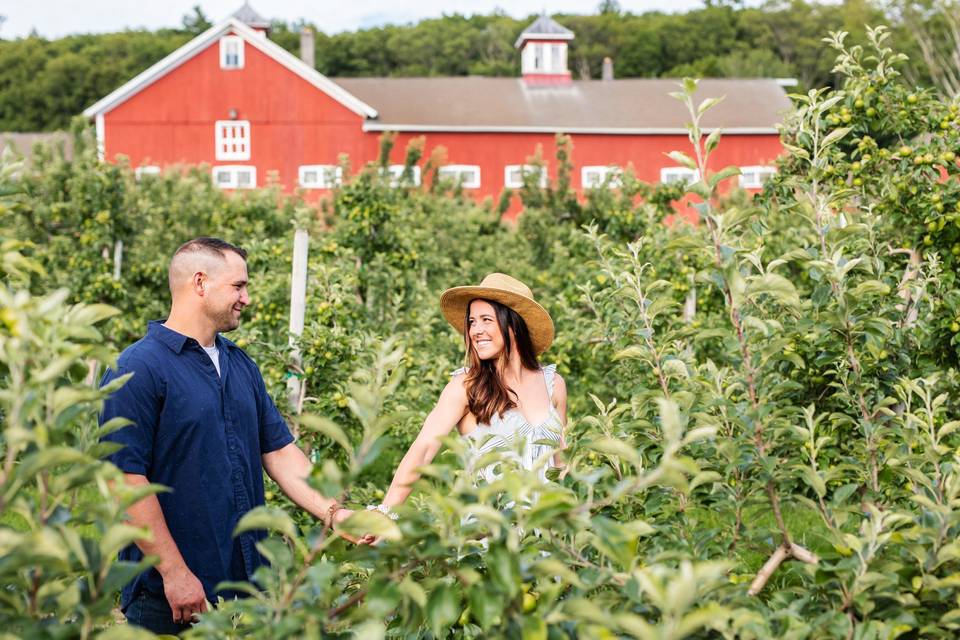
202, 436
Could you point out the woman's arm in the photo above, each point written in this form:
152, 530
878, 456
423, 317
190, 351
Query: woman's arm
451, 407
560, 402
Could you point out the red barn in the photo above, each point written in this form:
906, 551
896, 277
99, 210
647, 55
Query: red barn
233, 99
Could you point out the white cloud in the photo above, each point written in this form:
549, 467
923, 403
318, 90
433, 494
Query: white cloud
56, 18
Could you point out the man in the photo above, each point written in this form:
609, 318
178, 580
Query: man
204, 426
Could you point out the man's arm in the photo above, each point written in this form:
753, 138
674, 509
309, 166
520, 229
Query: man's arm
290, 468
182, 589
140, 400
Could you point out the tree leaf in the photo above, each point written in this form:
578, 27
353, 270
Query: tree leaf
374, 523
327, 428
775, 286
443, 608
269, 518
683, 159
119, 536
708, 104
834, 136
616, 448
723, 174
712, 140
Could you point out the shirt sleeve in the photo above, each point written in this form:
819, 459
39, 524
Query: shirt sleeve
140, 400
274, 432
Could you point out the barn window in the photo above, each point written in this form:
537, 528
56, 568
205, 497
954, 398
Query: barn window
320, 176
232, 139
755, 177
513, 175
466, 175
556, 58
673, 175
235, 177
231, 52
395, 173
598, 176
537, 56
146, 170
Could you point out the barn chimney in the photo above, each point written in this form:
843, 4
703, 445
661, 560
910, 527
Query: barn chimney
307, 47
607, 68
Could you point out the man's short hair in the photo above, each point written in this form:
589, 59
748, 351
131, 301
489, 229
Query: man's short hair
210, 246
213, 247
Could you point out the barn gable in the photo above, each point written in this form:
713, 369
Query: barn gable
209, 37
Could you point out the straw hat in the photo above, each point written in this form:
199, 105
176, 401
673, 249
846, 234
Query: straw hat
505, 290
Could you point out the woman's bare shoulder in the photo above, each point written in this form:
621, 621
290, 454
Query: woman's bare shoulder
559, 388
457, 385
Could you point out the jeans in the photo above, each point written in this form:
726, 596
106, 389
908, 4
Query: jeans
152, 612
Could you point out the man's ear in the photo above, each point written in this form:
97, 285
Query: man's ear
200, 283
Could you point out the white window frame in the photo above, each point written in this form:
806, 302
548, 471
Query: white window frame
234, 171
522, 168
751, 177
146, 170
457, 171
556, 58
224, 135
225, 43
328, 176
551, 56
395, 172
602, 172
671, 175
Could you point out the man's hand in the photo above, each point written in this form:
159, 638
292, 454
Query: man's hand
185, 594
339, 516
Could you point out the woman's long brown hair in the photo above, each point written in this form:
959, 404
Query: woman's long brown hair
487, 395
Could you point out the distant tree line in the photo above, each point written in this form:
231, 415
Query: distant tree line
43, 83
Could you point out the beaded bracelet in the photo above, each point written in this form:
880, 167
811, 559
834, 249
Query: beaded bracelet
384, 509
331, 510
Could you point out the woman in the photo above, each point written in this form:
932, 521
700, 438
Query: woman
504, 399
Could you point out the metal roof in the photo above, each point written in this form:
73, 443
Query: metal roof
544, 28
248, 16
628, 106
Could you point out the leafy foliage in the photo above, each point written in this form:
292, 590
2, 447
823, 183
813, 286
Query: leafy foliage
764, 434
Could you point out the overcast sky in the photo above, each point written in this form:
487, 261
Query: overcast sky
55, 18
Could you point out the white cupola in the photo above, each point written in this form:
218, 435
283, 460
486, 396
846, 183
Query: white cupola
248, 16
543, 53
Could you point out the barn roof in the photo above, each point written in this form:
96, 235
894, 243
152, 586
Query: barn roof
211, 36
628, 106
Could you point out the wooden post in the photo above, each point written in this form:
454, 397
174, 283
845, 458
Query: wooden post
690, 305
298, 302
117, 258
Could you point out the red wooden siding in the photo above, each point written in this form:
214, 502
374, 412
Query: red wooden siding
291, 122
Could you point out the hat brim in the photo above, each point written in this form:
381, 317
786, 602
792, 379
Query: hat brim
453, 304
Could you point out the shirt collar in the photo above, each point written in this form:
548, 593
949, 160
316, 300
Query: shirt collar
169, 337
176, 340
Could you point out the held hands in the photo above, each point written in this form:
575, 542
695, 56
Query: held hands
184, 593
339, 515
385, 510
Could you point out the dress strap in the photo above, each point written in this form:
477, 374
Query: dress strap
549, 375
454, 374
